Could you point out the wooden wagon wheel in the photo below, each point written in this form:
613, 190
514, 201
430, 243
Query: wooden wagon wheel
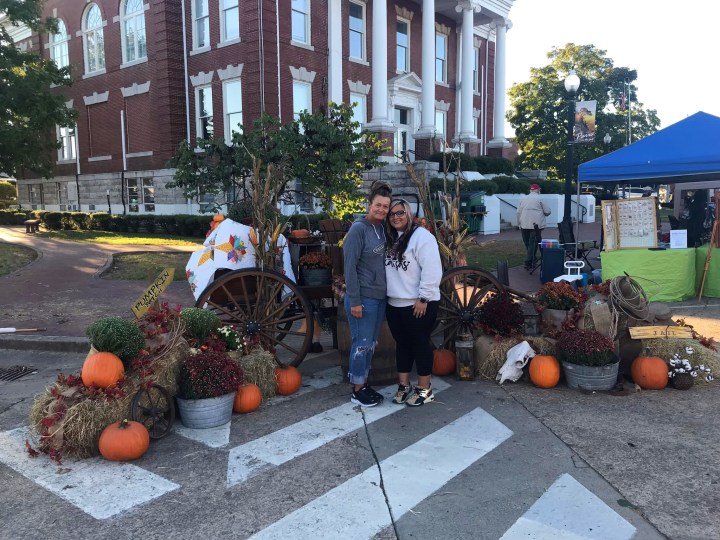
154, 408
266, 307
463, 290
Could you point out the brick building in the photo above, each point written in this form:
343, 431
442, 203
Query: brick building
149, 74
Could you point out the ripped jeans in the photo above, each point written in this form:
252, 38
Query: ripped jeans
364, 334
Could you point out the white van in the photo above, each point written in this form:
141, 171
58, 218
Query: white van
632, 192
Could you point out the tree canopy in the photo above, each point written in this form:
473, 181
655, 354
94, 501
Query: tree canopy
539, 108
30, 110
325, 150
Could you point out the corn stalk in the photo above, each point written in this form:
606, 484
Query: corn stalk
452, 231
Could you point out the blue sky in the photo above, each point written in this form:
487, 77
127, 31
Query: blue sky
675, 47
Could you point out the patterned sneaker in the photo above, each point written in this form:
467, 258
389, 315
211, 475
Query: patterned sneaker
374, 393
420, 396
363, 398
402, 394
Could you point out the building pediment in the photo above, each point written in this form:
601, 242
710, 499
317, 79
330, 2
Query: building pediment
405, 83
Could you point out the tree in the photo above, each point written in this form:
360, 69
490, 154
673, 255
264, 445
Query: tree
327, 152
539, 108
30, 110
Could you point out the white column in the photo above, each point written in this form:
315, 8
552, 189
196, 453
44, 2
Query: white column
466, 69
499, 140
380, 120
427, 120
335, 51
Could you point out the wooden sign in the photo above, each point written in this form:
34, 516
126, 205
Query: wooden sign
651, 332
153, 292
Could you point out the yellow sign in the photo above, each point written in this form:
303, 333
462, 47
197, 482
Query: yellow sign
651, 332
153, 292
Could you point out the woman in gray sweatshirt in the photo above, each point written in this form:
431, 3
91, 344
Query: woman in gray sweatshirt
365, 295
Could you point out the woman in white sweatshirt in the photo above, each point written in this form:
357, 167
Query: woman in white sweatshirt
413, 271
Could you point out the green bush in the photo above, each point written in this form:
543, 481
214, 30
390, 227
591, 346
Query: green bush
455, 161
53, 220
7, 190
552, 186
118, 336
80, 220
199, 323
100, 221
488, 186
494, 165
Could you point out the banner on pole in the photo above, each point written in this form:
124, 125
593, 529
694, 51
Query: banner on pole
585, 127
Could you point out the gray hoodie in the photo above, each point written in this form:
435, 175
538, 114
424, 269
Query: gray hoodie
364, 254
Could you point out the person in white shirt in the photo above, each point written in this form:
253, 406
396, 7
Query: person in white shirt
532, 211
413, 271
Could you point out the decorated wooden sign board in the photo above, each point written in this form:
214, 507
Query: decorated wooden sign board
153, 292
652, 332
630, 223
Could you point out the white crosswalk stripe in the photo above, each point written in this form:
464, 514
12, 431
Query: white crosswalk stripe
281, 446
358, 505
98, 487
569, 511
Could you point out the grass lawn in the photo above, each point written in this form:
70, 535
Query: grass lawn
488, 253
140, 239
146, 266
14, 257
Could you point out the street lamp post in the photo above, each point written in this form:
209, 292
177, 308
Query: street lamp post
107, 194
572, 83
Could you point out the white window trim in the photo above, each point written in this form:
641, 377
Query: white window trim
195, 48
360, 59
308, 28
445, 58
309, 107
231, 41
71, 140
443, 133
198, 122
362, 100
123, 19
226, 127
407, 49
84, 32
65, 41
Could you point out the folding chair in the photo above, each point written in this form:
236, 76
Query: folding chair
568, 243
573, 274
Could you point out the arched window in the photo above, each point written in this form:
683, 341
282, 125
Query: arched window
133, 31
93, 39
59, 46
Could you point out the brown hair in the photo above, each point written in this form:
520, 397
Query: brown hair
379, 189
392, 242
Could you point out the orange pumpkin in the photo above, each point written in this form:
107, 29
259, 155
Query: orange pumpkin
218, 217
102, 369
288, 380
544, 371
299, 233
443, 362
247, 398
124, 441
649, 372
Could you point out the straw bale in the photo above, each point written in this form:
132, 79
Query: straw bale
666, 347
490, 363
259, 368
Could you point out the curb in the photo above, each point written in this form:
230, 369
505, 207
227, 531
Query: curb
46, 343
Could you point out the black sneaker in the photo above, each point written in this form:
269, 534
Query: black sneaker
377, 395
363, 398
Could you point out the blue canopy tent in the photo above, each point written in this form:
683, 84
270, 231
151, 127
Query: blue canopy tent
687, 151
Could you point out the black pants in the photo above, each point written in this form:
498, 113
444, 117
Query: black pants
531, 240
412, 337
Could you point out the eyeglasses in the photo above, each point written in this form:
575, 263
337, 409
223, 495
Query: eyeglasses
399, 213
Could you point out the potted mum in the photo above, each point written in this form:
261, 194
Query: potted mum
206, 389
588, 359
557, 301
315, 268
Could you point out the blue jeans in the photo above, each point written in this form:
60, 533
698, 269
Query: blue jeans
364, 334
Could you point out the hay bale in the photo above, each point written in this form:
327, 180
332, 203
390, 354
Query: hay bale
259, 368
68, 417
665, 348
490, 363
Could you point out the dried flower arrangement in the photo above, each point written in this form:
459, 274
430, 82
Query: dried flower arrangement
315, 259
586, 348
678, 366
559, 295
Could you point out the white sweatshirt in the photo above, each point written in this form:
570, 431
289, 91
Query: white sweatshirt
418, 275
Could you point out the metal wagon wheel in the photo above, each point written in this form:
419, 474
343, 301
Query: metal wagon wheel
154, 408
463, 291
266, 307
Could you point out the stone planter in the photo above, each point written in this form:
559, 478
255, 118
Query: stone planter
591, 377
315, 277
206, 413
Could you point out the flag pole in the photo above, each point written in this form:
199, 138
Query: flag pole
629, 110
